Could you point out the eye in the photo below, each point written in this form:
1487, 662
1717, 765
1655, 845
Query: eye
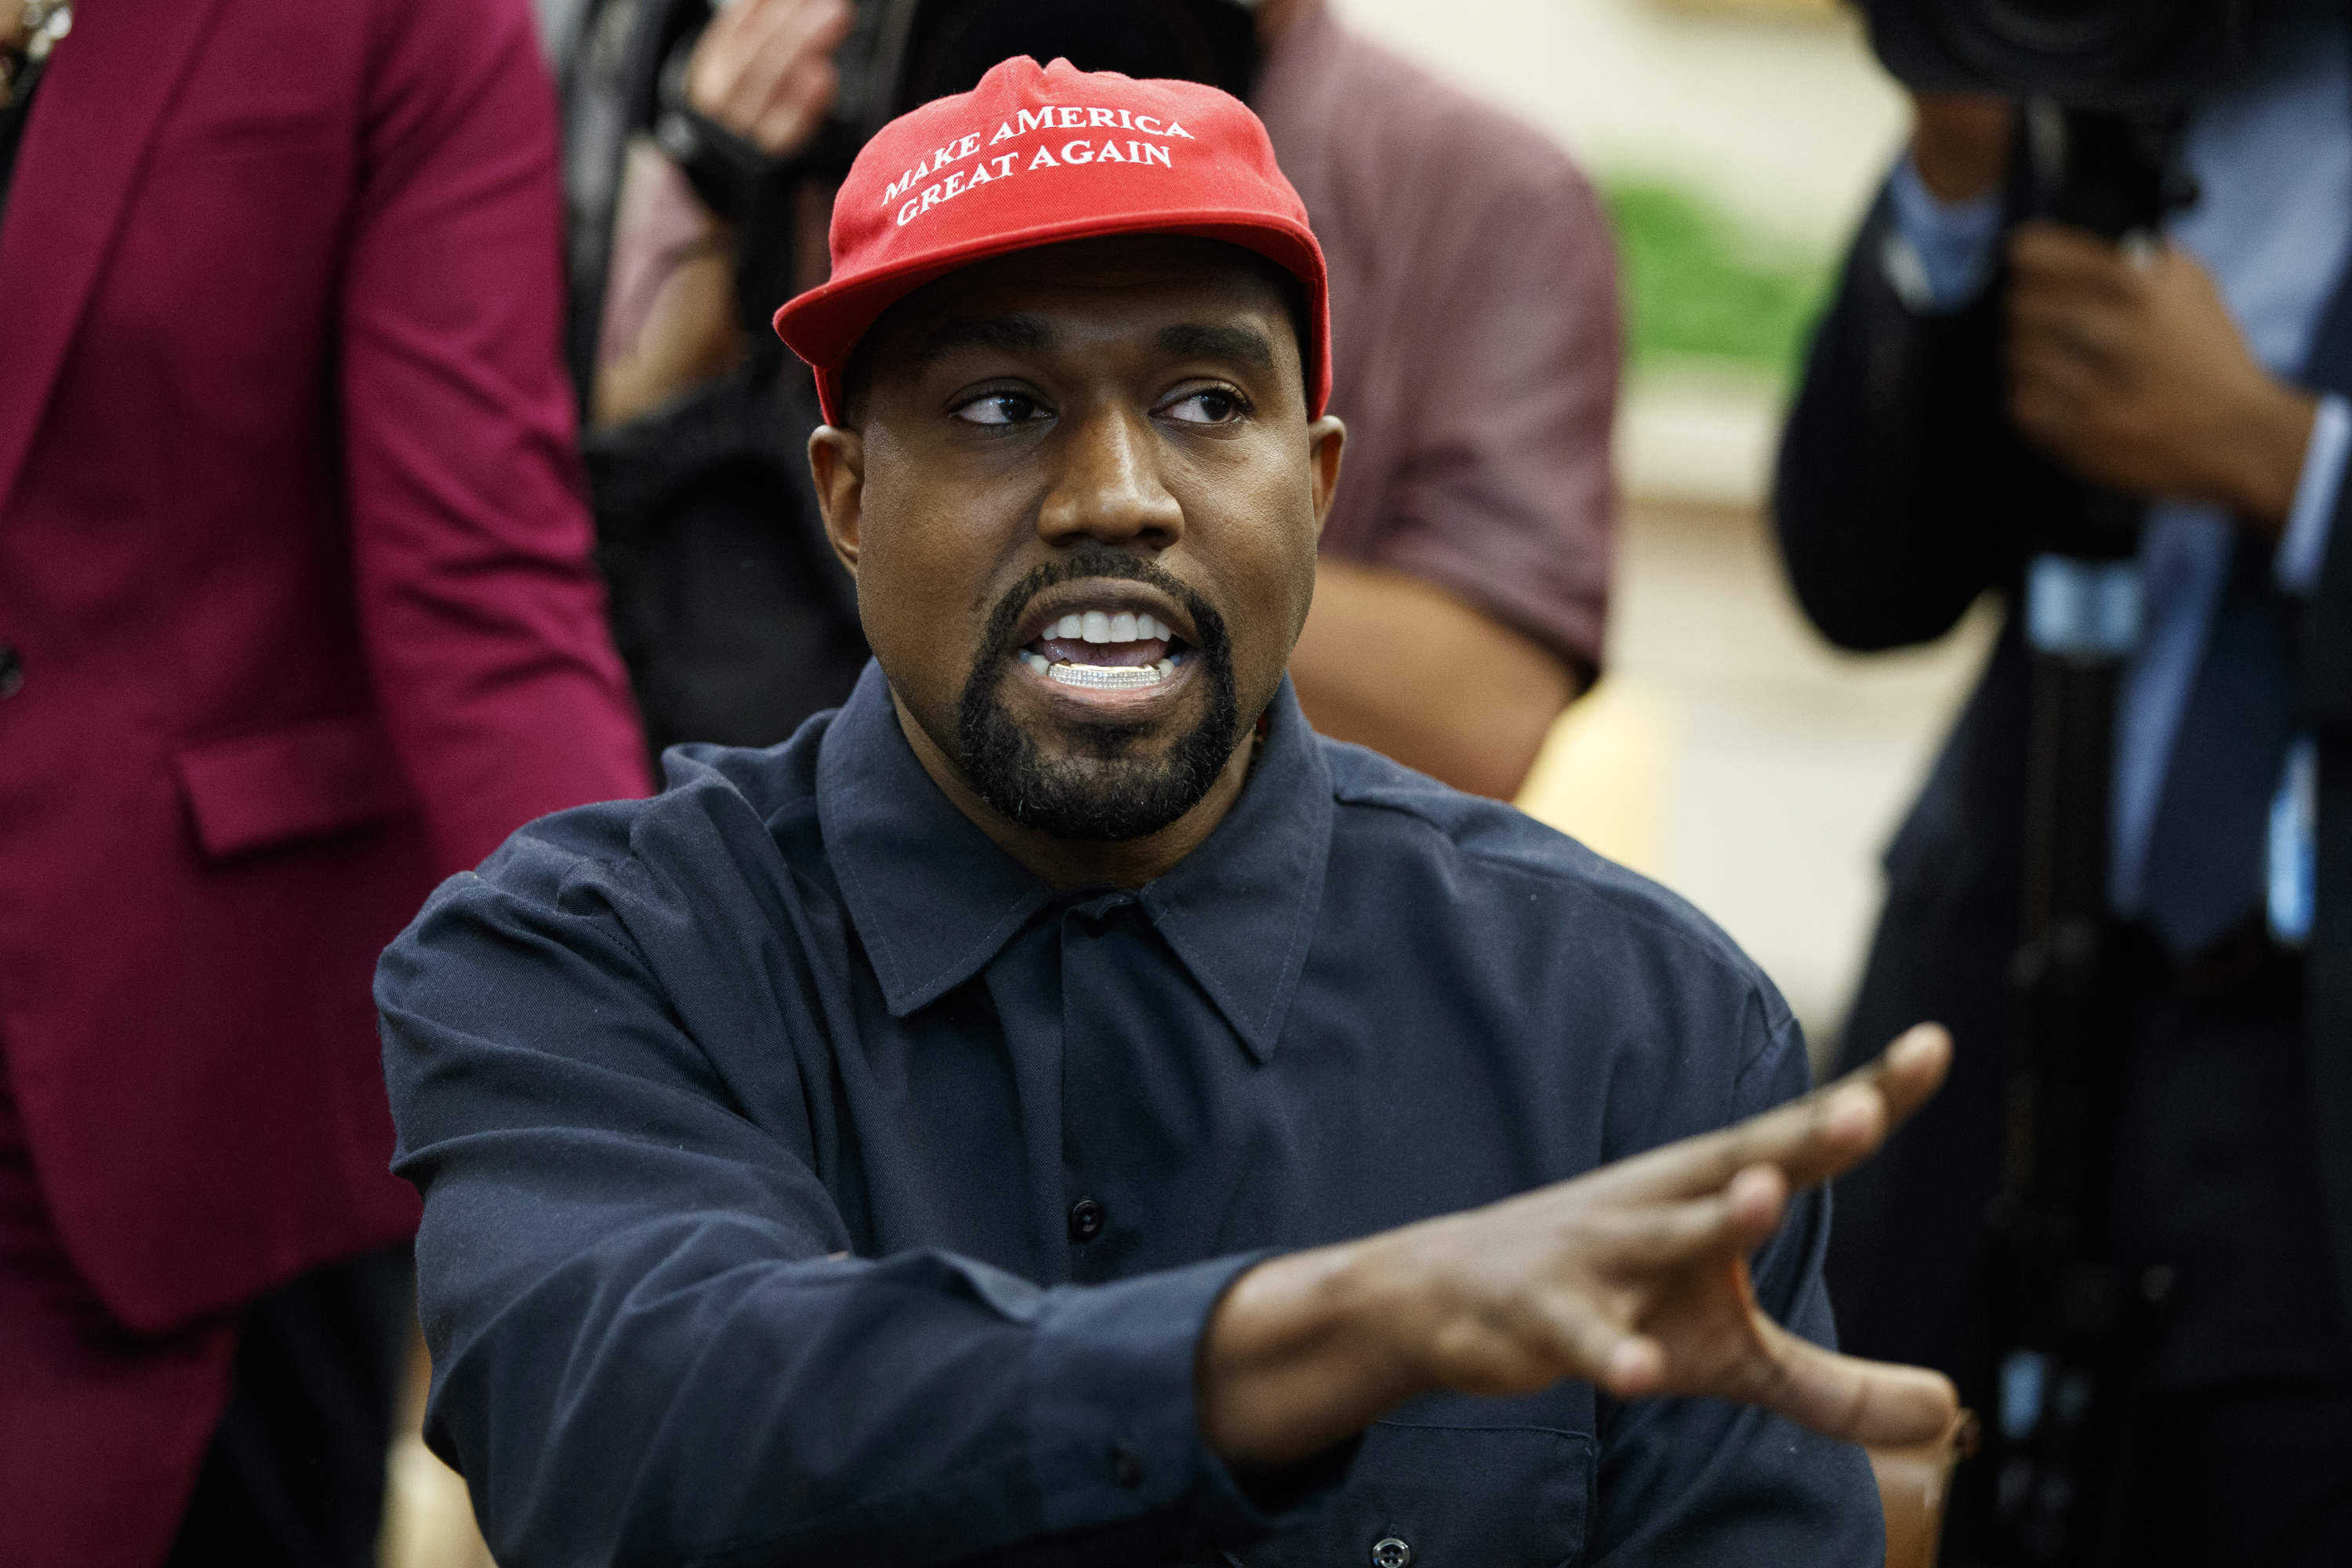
999, 408
1212, 405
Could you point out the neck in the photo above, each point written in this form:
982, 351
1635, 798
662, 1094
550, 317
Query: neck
1078, 863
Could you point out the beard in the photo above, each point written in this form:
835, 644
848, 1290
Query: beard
1105, 790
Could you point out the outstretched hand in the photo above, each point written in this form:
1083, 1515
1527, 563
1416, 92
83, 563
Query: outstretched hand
1633, 1277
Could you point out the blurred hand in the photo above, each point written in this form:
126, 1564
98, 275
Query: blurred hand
1959, 142
2131, 374
763, 70
1633, 1277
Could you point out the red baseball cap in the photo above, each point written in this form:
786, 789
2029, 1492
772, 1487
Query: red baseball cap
1035, 155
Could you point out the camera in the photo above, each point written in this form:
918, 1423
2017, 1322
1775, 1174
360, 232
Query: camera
2125, 56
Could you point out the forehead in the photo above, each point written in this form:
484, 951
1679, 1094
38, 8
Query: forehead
1128, 283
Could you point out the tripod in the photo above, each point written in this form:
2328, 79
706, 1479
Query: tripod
2077, 1338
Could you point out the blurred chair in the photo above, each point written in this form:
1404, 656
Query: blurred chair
1913, 1484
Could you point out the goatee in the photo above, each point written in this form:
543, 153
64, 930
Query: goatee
1101, 792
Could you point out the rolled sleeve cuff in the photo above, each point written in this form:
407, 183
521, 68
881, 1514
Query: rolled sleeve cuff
2303, 544
1114, 1413
1939, 255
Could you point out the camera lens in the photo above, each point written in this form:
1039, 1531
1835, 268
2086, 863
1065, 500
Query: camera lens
2110, 38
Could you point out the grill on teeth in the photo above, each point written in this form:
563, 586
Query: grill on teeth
1101, 677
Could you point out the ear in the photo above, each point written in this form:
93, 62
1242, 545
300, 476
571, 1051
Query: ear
1327, 440
837, 461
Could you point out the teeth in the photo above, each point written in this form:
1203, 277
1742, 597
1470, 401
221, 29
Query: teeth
1108, 677
1036, 661
1111, 626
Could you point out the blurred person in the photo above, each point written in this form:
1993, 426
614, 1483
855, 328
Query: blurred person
297, 617
2211, 380
1464, 577
891, 1145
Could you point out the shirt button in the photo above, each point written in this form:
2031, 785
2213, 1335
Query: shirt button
1085, 1220
1391, 1552
12, 671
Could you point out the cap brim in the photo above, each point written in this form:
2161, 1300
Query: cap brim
825, 325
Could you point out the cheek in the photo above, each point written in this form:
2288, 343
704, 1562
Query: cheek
916, 598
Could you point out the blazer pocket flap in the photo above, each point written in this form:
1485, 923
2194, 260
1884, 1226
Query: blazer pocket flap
307, 780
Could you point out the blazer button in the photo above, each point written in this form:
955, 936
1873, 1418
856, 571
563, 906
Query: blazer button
1085, 1220
1391, 1552
12, 671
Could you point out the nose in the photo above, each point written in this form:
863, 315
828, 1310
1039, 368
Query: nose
1107, 486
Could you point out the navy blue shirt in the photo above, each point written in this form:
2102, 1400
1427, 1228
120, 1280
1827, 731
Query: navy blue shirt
806, 1180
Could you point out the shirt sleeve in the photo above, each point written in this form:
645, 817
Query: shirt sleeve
2303, 544
1701, 1481
650, 1342
480, 606
1507, 494
1939, 255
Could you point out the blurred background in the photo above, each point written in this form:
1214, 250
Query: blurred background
1727, 751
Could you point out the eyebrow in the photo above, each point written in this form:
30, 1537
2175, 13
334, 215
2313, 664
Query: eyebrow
1018, 334
1246, 345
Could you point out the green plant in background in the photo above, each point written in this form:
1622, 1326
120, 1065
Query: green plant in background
1702, 289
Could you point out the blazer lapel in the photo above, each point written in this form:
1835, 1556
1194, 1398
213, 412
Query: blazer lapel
100, 102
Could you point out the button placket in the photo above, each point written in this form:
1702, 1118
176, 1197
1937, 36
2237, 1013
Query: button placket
1391, 1552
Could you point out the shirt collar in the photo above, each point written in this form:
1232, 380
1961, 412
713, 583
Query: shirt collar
934, 900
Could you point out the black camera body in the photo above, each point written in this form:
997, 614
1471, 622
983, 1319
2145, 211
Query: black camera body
2125, 56
905, 53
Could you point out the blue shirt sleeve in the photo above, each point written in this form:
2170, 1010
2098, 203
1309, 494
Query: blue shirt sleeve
649, 1342
1939, 255
2310, 521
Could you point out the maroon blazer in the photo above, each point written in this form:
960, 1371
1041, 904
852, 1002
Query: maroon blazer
295, 565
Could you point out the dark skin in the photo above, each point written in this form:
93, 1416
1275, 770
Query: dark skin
1144, 395
2129, 372
764, 69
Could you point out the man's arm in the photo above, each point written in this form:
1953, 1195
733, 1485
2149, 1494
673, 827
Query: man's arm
1891, 500
1395, 662
482, 611
1633, 1278
1451, 634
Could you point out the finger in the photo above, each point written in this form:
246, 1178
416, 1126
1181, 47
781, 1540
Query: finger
1808, 1138
2051, 255
1650, 1238
2089, 328
1877, 1403
1619, 1360
787, 123
1838, 1126
752, 62
812, 27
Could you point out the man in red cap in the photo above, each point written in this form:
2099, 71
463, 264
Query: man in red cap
1057, 1108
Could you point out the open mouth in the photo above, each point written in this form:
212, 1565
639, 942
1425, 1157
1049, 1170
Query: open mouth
1105, 649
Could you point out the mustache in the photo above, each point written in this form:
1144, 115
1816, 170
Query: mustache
1096, 562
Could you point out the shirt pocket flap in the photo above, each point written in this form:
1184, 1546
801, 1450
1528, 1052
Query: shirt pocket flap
1435, 1497
307, 780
